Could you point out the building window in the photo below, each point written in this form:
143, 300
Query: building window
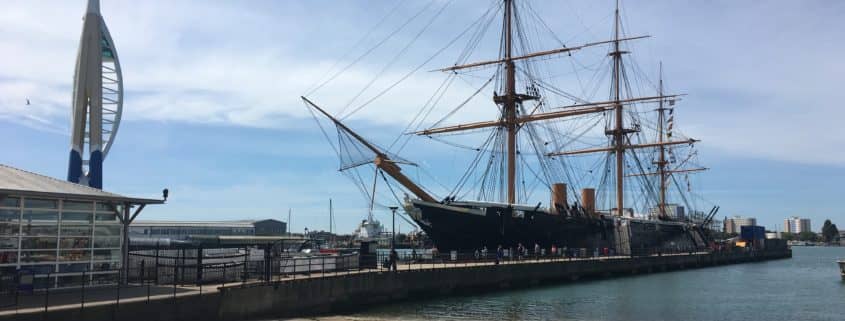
106, 242
40, 230
106, 255
38, 256
8, 257
107, 217
9, 228
74, 267
41, 203
76, 230
107, 230
76, 218
10, 216
75, 255
30, 216
10, 202
38, 243
8, 243
75, 242
105, 207
77, 206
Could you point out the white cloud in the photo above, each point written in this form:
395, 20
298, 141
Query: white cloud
762, 81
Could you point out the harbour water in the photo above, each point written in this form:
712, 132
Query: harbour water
806, 287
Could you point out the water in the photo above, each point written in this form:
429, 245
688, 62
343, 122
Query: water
806, 287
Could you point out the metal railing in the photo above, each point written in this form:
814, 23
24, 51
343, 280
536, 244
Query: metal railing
43, 292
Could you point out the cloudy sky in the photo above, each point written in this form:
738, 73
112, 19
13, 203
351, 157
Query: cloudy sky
212, 107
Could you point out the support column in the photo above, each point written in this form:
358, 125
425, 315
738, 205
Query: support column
124, 244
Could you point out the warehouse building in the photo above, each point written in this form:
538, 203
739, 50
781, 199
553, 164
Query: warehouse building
182, 230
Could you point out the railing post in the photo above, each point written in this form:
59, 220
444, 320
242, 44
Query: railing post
82, 299
46, 298
157, 265
246, 257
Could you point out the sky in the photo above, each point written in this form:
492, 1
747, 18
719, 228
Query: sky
212, 109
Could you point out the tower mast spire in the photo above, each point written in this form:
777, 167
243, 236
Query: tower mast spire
618, 131
510, 102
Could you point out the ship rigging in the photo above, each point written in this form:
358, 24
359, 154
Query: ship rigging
529, 123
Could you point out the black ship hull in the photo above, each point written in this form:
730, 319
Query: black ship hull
468, 227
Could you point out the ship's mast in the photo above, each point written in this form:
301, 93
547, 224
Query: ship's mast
618, 131
510, 103
661, 162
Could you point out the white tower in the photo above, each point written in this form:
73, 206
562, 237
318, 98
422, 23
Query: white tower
97, 100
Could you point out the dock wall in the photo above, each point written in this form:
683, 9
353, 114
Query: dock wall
347, 293
344, 293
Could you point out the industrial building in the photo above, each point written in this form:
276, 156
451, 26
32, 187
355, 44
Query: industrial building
57, 230
181, 230
797, 225
733, 225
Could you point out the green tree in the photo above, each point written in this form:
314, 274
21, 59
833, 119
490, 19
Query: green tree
808, 236
788, 236
829, 232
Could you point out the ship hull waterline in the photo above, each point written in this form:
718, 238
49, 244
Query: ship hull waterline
467, 228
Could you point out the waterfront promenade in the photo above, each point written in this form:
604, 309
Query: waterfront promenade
320, 293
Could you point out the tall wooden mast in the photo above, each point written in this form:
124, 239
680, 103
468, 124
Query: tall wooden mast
618, 130
661, 161
510, 103
510, 119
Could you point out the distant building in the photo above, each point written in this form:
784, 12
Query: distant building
674, 211
180, 230
733, 224
797, 225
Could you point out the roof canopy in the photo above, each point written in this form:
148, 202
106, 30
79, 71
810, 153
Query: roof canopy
14, 181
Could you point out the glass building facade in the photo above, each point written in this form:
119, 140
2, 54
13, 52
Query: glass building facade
62, 242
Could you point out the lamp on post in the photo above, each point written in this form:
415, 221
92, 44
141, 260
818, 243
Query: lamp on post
393, 232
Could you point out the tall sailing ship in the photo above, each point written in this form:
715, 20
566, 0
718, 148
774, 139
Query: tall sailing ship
638, 160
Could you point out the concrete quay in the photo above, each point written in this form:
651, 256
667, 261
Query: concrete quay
348, 291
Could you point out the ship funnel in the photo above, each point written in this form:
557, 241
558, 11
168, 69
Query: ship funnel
588, 200
558, 203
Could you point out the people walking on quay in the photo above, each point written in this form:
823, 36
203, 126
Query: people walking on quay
499, 254
484, 252
394, 256
536, 251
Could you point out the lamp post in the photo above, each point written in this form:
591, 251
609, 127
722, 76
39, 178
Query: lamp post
393, 239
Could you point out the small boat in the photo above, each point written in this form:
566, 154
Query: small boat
842, 269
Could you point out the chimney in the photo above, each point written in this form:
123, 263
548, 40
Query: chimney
558, 203
588, 200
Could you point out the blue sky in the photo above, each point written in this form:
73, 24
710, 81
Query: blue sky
212, 108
